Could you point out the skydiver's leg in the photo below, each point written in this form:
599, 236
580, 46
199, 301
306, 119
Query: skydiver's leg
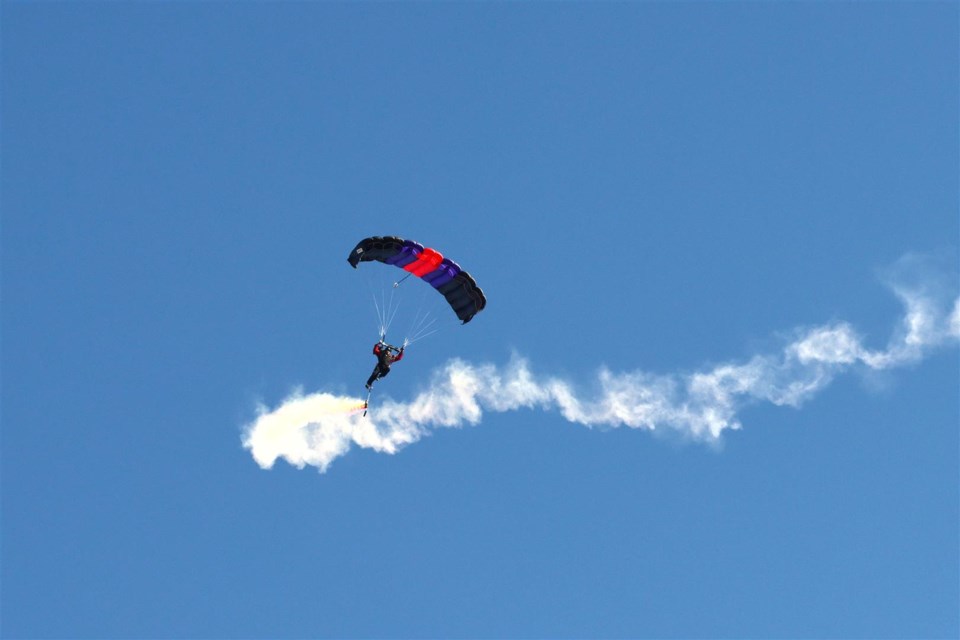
378, 372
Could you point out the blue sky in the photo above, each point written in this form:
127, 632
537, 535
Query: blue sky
730, 211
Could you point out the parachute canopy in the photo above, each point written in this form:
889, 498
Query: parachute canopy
457, 286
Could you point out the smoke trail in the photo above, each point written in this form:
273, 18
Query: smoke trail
316, 429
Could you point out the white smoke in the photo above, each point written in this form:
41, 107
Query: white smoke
317, 428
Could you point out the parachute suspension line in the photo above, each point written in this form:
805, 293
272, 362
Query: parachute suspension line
400, 281
393, 308
383, 313
416, 321
420, 326
423, 322
421, 334
380, 320
382, 306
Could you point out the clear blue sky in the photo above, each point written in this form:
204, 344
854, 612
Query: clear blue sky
639, 187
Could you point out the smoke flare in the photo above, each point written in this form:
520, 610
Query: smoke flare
317, 428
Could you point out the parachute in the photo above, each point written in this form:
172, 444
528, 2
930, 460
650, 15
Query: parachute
456, 285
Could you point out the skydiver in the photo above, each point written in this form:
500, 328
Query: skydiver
385, 357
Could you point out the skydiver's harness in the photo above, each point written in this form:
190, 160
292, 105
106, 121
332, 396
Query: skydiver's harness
384, 359
383, 352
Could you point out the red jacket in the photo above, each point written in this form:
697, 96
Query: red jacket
390, 358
